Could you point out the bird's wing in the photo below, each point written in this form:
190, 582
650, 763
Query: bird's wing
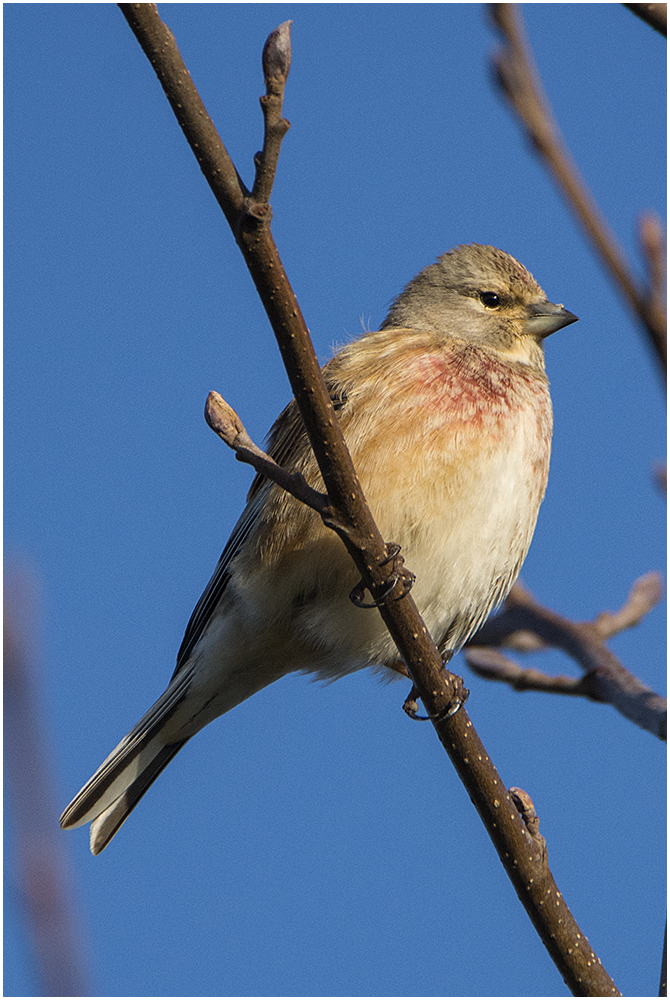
219, 580
287, 442
289, 446
284, 441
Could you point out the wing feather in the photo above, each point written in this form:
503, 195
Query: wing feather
215, 588
289, 446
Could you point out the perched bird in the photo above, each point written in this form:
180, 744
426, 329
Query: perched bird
447, 415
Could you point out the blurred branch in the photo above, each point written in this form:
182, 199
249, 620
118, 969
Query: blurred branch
42, 874
517, 76
655, 14
661, 478
524, 624
651, 237
440, 691
645, 594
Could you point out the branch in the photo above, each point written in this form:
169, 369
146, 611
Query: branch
250, 224
643, 597
41, 877
655, 14
524, 624
492, 665
517, 76
276, 66
440, 691
651, 238
663, 986
227, 425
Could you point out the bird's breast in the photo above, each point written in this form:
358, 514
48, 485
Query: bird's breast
454, 470
449, 419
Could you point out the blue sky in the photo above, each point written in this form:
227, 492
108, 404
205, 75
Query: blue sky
286, 851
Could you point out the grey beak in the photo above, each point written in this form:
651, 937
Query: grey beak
547, 317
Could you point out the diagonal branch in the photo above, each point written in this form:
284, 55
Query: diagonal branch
250, 223
644, 595
440, 691
518, 78
651, 237
655, 14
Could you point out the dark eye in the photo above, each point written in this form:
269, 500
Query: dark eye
489, 299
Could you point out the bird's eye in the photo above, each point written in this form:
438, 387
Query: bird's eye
489, 299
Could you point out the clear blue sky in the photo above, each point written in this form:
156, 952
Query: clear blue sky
290, 850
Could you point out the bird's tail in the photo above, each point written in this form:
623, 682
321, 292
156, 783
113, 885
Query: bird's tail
108, 798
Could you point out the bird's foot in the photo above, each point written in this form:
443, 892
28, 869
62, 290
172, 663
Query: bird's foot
460, 696
399, 575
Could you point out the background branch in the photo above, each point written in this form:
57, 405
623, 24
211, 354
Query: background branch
523, 861
525, 624
517, 76
655, 14
42, 876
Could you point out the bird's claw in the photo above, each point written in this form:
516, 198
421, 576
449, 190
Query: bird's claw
400, 574
410, 706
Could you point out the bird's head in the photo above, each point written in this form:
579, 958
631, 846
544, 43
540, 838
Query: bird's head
482, 295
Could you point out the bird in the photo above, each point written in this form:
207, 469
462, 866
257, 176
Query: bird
447, 415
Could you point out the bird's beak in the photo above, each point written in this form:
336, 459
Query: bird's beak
546, 317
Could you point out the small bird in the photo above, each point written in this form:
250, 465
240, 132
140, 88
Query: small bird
447, 415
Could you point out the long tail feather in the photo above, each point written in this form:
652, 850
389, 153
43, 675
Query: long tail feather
123, 778
112, 819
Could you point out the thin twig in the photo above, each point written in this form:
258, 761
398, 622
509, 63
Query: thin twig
491, 664
225, 422
525, 624
645, 594
437, 688
276, 66
651, 236
655, 14
518, 78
